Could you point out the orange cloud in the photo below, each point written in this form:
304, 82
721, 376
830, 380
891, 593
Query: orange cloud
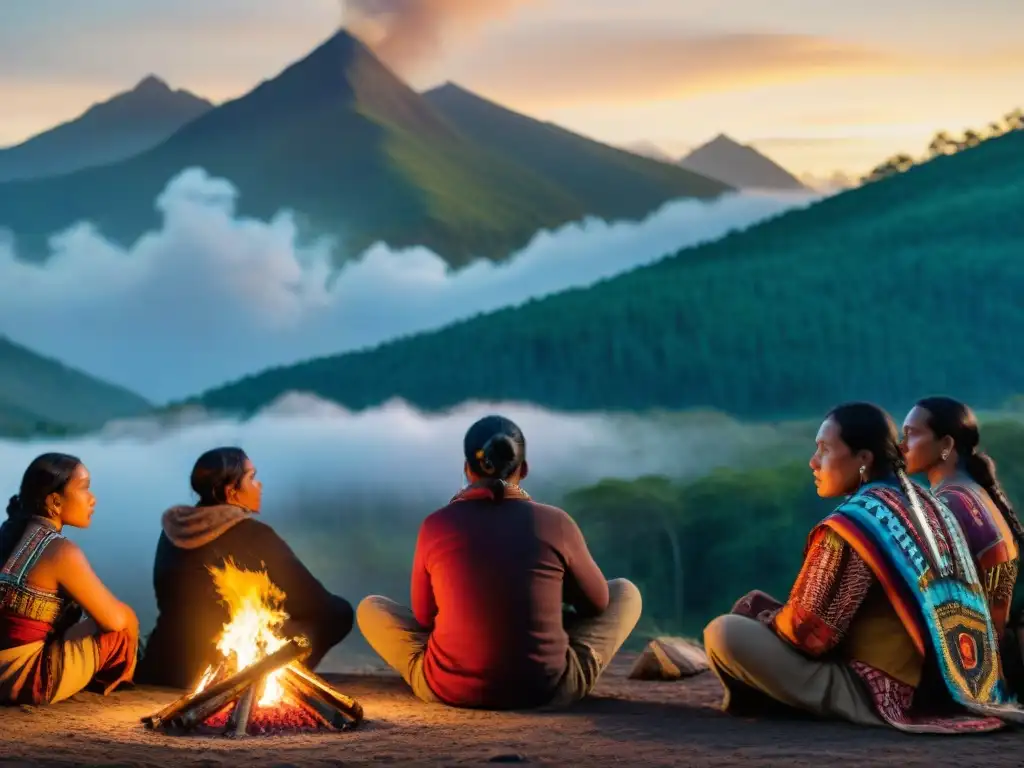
601, 66
1000, 59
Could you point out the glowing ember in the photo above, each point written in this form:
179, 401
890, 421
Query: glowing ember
254, 607
260, 684
285, 717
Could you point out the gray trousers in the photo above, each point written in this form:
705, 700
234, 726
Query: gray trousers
393, 632
748, 656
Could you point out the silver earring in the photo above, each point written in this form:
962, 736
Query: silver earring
863, 474
945, 455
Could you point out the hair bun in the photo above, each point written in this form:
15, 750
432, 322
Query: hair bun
14, 506
500, 456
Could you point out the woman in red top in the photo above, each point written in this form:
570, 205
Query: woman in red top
46, 652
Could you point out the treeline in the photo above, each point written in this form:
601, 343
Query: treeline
19, 424
887, 292
946, 143
694, 548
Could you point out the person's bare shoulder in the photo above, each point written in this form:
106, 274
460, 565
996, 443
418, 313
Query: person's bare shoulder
63, 552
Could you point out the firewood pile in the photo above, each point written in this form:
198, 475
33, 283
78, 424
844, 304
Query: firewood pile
235, 702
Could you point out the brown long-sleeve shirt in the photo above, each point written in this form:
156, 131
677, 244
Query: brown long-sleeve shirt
489, 580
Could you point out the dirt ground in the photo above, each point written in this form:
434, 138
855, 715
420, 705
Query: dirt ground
626, 723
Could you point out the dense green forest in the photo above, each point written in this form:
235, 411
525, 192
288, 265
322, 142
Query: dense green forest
946, 143
42, 396
901, 288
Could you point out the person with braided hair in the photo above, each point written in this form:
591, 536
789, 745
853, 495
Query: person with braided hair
492, 573
941, 441
887, 622
47, 653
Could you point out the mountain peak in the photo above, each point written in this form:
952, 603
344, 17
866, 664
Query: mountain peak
341, 48
724, 140
341, 74
127, 123
450, 87
332, 70
151, 84
739, 165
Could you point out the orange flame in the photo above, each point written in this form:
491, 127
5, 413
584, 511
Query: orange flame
256, 615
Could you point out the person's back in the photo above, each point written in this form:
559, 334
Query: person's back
194, 539
491, 580
990, 539
491, 574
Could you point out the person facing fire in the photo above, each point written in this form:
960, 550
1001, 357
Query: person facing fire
492, 574
47, 652
222, 527
887, 622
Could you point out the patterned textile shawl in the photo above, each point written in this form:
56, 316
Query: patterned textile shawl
989, 539
944, 611
17, 598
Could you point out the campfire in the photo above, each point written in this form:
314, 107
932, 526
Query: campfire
259, 684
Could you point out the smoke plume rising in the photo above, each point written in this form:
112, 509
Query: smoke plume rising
406, 33
211, 297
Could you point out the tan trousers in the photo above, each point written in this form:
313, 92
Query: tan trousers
393, 632
747, 656
20, 667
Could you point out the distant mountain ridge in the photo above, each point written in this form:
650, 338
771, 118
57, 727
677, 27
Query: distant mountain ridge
740, 166
40, 394
609, 182
341, 140
784, 319
120, 127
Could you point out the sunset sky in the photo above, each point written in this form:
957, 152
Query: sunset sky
818, 88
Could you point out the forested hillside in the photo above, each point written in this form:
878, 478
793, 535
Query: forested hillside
904, 287
40, 395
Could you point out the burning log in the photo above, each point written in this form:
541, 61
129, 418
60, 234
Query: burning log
238, 724
323, 706
260, 685
322, 713
336, 699
194, 708
211, 675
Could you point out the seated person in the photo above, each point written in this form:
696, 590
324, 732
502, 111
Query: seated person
492, 574
941, 442
47, 653
887, 622
221, 526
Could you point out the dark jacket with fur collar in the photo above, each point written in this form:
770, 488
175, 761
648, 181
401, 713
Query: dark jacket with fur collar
191, 615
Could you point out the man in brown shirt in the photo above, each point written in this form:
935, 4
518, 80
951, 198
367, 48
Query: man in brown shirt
492, 575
